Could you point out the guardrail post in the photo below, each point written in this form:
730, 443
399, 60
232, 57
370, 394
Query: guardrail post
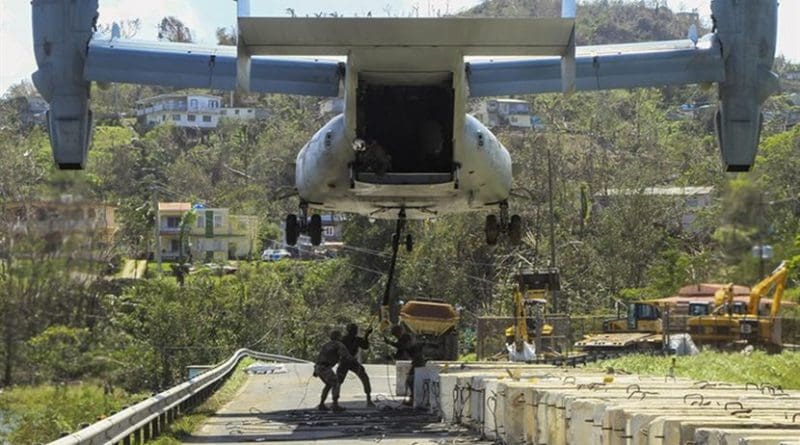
147, 433
126, 440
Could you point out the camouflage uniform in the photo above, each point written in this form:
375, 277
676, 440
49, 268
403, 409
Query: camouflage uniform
332, 352
353, 343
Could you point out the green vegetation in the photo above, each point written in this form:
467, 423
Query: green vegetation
39, 414
184, 426
757, 367
62, 320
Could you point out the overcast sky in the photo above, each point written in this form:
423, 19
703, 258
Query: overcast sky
204, 16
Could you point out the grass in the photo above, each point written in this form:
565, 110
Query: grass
39, 414
184, 426
758, 367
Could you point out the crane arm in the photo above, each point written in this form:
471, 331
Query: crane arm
776, 279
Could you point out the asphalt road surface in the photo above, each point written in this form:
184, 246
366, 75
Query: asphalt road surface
281, 409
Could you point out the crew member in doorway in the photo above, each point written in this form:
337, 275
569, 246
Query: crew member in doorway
332, 353
407, 349
377, 159
353, 343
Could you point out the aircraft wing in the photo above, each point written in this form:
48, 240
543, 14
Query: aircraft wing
738, 56
601, 67
69, 58
193, 66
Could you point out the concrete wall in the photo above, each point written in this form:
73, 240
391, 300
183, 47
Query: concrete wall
545, 405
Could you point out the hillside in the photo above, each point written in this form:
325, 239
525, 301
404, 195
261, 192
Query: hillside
57, 328
600, 22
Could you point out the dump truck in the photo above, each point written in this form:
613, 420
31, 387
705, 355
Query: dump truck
433, 323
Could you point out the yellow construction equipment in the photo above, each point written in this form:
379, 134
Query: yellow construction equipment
530, 300
434, 325
641, 330
727, 325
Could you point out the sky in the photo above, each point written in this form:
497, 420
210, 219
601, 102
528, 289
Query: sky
203, 17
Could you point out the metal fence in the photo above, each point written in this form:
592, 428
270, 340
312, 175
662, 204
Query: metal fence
567, 329
147, 419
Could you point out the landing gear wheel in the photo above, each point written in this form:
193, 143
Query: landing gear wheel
492, 230
292, 229
515, 230
409, 243
315, 230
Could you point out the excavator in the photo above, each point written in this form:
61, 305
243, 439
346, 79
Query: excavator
727, 324
530, 299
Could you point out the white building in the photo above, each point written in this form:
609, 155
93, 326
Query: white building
513, 113
191, 110
689, 199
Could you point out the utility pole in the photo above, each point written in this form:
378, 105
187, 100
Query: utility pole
556, 297
157, 230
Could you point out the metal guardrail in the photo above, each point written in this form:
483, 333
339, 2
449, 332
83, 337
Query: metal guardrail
147, 419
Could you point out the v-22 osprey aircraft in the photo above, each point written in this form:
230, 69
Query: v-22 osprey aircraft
405, 147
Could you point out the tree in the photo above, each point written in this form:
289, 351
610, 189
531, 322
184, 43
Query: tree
226, 36
173, 30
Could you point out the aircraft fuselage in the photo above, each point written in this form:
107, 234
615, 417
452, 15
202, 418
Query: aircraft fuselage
438, 159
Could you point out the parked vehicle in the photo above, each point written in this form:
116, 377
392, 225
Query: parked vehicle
275, 254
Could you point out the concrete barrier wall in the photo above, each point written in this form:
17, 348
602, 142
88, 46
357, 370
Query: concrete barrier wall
545, 405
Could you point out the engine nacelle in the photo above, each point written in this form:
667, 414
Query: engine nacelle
61, 33
747, 31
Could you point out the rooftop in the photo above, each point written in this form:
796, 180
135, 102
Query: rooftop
660, 191
174, 206
173, 96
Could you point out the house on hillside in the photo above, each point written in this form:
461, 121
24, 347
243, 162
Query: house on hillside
791, 75
32, 110
511, 113
67, 226
216, 234
690, 200
331, 107
191, 110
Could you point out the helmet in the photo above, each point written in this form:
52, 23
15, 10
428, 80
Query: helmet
336, 335
352, 329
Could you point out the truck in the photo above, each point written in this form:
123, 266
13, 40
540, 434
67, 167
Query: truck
434, 325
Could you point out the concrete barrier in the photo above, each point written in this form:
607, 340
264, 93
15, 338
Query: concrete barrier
545, 405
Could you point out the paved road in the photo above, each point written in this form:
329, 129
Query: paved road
281, 408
